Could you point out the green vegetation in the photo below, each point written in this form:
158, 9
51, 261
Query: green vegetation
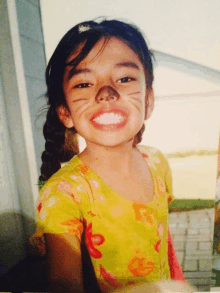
180, 205
40, 184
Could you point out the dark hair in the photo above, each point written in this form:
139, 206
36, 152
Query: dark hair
88, 34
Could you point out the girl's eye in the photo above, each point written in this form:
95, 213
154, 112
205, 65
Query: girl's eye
83, 85
125, 79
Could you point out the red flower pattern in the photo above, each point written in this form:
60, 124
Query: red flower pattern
160, 235
39, 207
74, 227
144, 155
157, 246
92, 240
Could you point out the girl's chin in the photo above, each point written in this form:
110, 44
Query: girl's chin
112, 143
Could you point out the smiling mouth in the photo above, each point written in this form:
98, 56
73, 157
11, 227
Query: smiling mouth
111, 120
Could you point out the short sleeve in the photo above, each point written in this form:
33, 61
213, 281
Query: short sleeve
161, 165
58, 211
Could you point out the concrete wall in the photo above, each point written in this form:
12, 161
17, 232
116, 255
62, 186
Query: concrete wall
22, 66
12, 241
32, 48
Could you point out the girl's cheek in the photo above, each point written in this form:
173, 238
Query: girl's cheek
81, 107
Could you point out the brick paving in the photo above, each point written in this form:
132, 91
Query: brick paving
192, 234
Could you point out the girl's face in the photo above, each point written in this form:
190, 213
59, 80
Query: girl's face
106, 95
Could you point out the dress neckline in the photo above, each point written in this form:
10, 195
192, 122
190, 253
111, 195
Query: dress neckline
99, 178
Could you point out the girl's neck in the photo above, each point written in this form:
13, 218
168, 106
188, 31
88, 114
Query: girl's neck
118, 159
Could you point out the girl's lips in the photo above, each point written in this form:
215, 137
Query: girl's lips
103, 111
109, 127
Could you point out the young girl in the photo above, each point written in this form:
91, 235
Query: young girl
102, 218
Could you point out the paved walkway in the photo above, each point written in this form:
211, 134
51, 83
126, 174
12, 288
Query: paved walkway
192, 234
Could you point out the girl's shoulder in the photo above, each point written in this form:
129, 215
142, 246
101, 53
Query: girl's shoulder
154, 157
151, 152
148, 149
68, 170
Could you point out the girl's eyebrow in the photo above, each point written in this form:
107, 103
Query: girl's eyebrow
128, 64
75, 71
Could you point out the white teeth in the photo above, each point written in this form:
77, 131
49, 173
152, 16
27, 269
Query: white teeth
109, 118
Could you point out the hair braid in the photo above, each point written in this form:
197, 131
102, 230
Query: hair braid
71, 147
54, 134
138, 136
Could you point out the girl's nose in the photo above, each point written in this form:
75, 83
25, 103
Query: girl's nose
106, 93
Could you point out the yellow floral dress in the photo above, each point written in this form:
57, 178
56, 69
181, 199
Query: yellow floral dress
126, 240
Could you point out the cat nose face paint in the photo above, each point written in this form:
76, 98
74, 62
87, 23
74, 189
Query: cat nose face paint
106, 94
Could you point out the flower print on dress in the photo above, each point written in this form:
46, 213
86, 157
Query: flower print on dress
45, 193
74, 226
74, 177
42, 215
42, 207
160, 235
66, 188
157, 160
92, 240
144, 213
157, 246
50, 202
95, 183
153, 150
148, 160
42, 212
84, 169
42, 198
160, 229
79, 188
39, 207
141, 265
101, 198
91, 214
145, 156
161, 186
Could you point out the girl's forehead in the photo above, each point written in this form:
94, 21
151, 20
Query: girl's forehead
107, 50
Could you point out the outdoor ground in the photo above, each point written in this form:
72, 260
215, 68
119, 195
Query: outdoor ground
192, 233
192, 217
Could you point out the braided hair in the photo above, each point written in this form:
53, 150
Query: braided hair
81, 39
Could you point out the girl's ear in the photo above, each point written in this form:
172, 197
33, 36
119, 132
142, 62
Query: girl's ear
149, 103
65, 116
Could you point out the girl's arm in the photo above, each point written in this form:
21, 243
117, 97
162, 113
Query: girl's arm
64, 263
